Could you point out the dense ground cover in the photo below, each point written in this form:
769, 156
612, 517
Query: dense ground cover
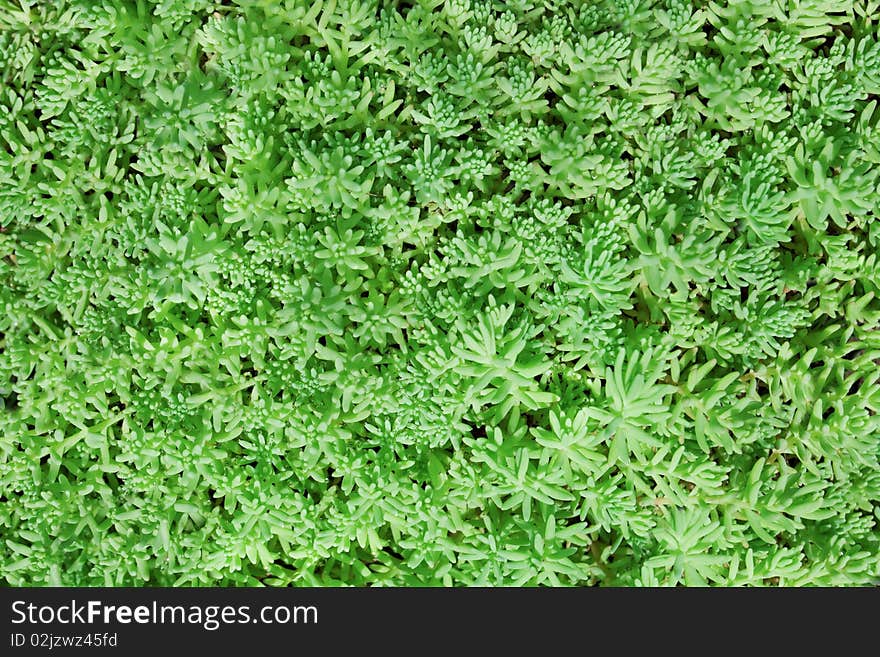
463, 292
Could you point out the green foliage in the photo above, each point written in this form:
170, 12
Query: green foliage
439, 292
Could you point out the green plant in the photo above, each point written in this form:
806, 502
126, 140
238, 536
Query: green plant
439, 292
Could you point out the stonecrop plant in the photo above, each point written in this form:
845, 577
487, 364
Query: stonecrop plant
439, 292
